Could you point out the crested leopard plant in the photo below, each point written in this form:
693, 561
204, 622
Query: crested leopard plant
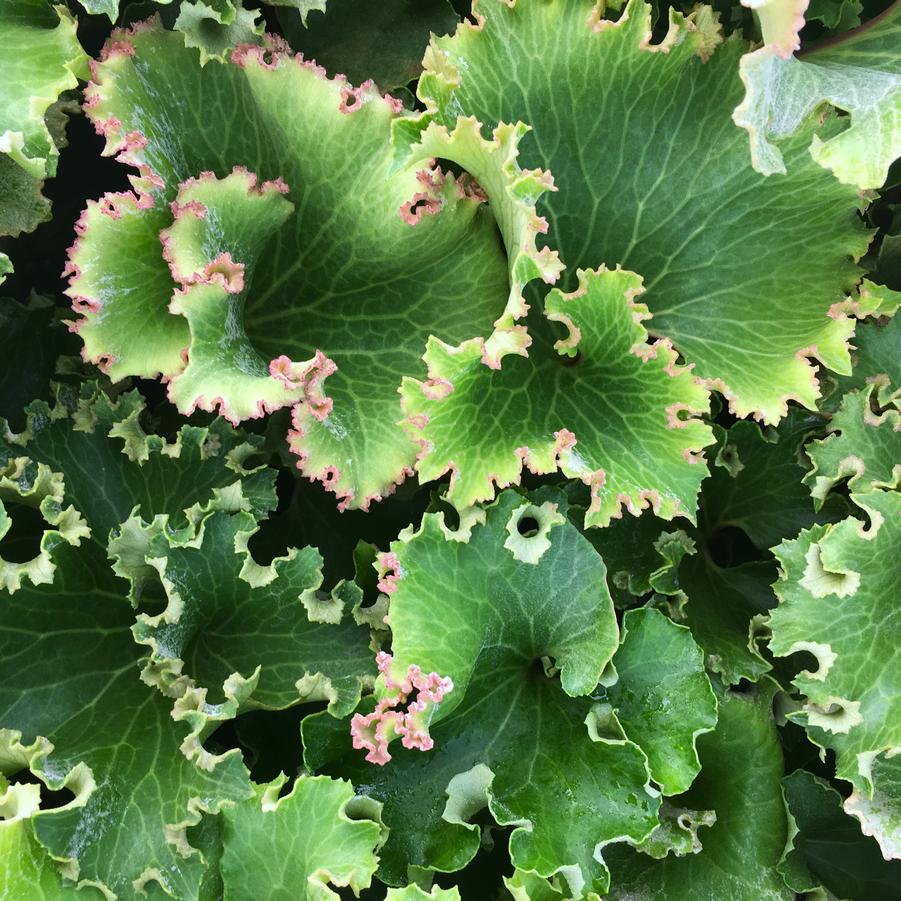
481, 477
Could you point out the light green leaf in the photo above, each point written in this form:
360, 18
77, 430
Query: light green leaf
292, 848
40, 57
879, 810
858, 73
740, 270
599, 403
837, 591
741, 769
415, 893
368, 310
864, 446
237, 635
28, 873
677, 832
524, 626
662, 699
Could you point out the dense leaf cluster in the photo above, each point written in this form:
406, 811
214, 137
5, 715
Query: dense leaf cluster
456, 451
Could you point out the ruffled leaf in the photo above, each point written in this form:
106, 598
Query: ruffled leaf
741, 271
600, 404
858, 73
371, 260
113, 467
837, 596
297, 845
526, 630
864, 446
28, 871
75, 712
238, 635
741, 771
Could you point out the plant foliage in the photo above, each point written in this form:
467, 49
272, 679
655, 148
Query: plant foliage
455, 452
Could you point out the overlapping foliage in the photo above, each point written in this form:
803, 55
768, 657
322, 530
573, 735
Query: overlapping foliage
482, 472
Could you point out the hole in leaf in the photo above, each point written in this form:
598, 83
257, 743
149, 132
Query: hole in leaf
528, 527
23, 540
574, 360
730, 546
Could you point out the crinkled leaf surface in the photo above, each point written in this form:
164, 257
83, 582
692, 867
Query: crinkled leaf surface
69, 674
344, 273
508, 735
113, 467
837, 600
741, 771
858, 72
292, 848
600, 403
828, 849
863, 446
740, 270
256, 636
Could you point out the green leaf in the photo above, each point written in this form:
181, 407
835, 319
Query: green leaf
863, 446
32, 339
877, 358
346, 281
415, 893
879, 810
75, 712
741, 769
826, 848
383, 42
619, 416
662, 699
22, 206
524, 626
858, 73
25, 486
28, 872
836, 598
237, 635
295, 846
216, 32
496, 574
113, 467
40, 57
740, 270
